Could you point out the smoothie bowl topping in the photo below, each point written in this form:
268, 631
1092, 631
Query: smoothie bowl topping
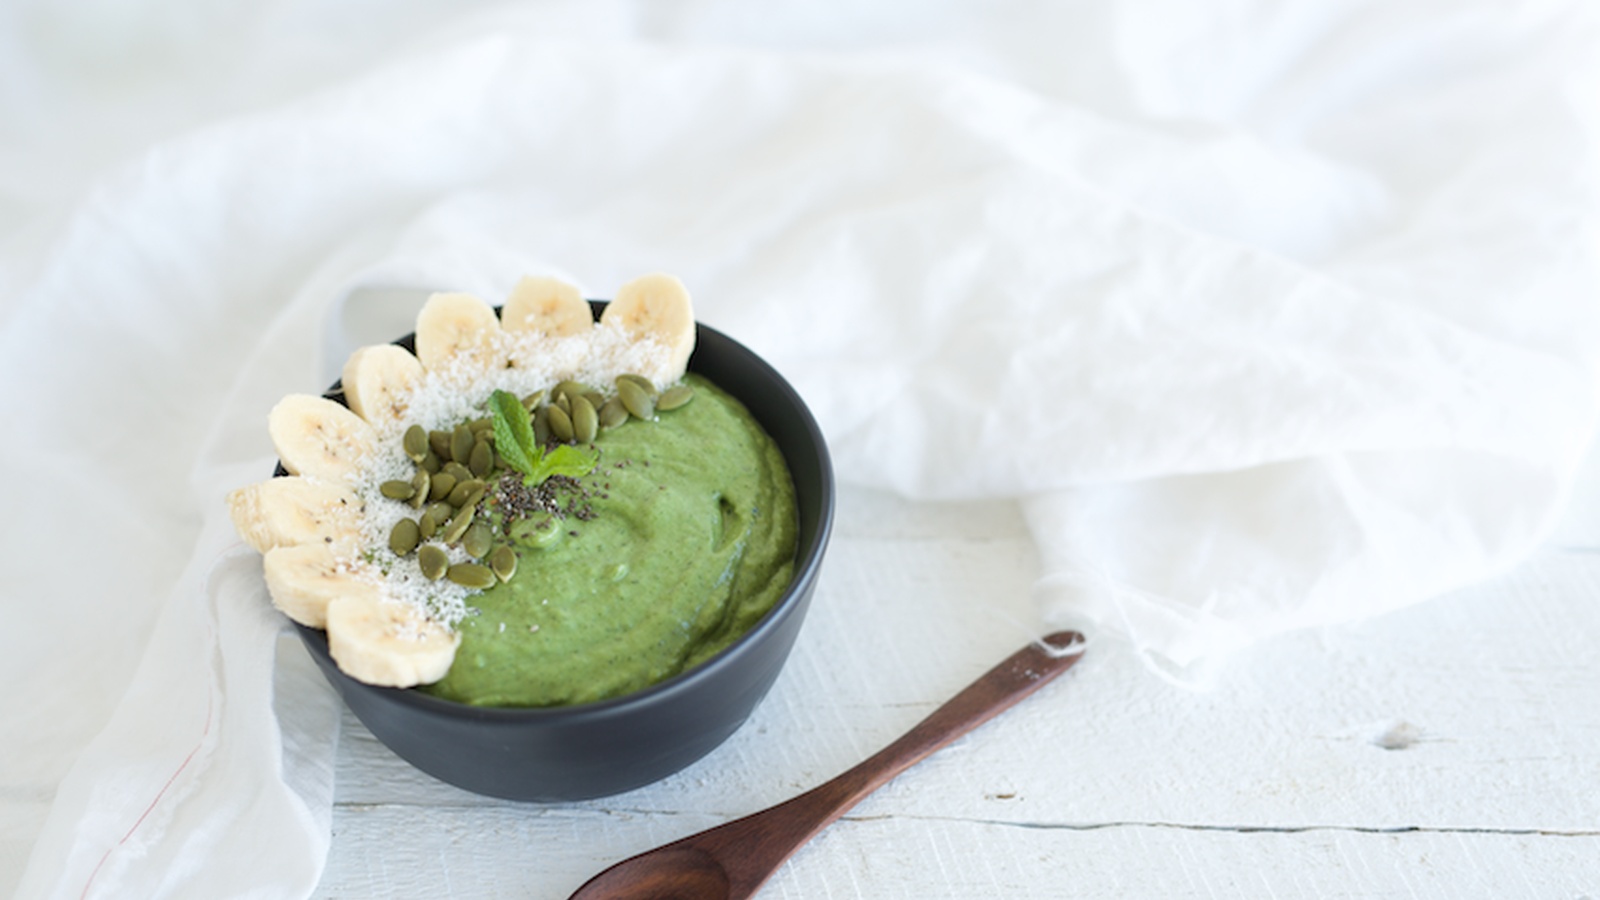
531, 508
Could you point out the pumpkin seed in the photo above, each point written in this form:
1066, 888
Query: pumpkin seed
434, 517
504, 562
585, 421
478, 540
595, 398
541, 425
635, 398
404, 537
415, 442
560, 423
648, 385
613, 413
421, 485
457, 471
675, 396
461, 442
463, 490
430, 462
569, 388
433, 561
471, 575
484, 424
397, 490
531, 401
482, 460
439, 443
443, 483
456, 527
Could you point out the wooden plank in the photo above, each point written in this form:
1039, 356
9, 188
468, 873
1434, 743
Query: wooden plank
1445, 750
533, 853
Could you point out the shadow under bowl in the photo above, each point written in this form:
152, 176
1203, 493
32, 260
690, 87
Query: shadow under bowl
599, 749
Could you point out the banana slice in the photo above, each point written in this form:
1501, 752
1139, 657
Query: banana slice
316, 436
452, 326
378, 382
546, 305
284, 512
388, 643
657, 306
306, 578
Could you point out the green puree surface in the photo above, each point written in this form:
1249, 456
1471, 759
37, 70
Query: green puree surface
681, 538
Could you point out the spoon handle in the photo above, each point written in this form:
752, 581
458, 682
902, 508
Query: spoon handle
792, 823
995, 691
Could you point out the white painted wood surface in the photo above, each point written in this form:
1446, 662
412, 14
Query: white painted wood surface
1451, 750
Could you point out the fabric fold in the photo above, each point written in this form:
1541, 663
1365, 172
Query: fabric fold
1266, 321
194, 767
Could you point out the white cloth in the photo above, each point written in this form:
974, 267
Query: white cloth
1271, 316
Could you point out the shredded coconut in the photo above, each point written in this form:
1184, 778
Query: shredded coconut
517, 362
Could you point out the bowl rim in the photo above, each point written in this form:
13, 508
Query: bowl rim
808, 562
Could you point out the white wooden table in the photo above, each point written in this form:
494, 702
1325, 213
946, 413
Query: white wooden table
1451, 750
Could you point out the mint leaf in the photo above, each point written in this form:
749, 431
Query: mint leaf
514, 441
567, 460
513, 434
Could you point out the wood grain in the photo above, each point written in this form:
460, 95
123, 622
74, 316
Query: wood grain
732, 860
1275, 783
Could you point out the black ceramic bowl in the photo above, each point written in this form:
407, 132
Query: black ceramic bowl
598, 749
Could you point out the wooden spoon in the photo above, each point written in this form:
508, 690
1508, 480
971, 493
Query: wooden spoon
733, 860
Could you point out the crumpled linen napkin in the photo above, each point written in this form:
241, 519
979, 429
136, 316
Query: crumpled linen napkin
1268, 322
218, 752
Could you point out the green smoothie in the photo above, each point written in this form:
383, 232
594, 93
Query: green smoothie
679, 540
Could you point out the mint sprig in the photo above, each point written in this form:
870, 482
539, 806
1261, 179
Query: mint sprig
516, 444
